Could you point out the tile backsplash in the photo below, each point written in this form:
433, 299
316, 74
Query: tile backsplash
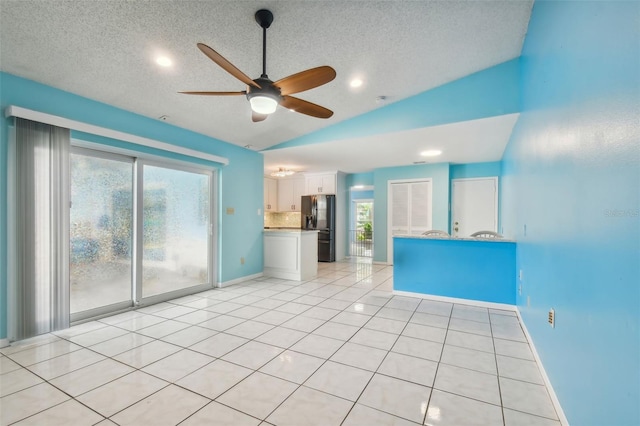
283, 219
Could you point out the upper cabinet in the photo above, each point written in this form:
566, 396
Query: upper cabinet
290, 192
324, 183
270, 195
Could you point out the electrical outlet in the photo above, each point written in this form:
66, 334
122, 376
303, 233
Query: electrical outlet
520, 275
552, 317
259, 212
520, 290
242, 260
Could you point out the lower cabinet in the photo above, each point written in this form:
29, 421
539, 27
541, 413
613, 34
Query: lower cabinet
291, 254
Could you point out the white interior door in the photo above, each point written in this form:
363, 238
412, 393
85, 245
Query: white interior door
474, 206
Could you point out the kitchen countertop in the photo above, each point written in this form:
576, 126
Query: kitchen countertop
281, 227
430, 237
288, 230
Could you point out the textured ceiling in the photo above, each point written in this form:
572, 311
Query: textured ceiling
105, 50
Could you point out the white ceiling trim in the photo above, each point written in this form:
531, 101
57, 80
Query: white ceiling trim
54, 120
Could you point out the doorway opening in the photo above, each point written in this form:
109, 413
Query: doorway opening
361, 234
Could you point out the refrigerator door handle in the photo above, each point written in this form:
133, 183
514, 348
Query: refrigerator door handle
314, 212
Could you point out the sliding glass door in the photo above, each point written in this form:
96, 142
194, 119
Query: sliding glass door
175, 229
140, 232
101, 231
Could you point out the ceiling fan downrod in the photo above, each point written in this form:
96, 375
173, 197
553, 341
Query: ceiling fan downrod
264, 18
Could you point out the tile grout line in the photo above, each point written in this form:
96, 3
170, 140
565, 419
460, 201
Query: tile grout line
495, 357
435, 375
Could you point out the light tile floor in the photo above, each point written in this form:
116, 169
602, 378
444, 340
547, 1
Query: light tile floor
337, 350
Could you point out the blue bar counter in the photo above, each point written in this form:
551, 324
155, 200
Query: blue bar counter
465, 268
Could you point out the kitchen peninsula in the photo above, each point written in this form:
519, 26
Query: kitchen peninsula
290, 254
466, 268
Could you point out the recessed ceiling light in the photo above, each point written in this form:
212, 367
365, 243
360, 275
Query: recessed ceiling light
431, 153
356, 82
163, 61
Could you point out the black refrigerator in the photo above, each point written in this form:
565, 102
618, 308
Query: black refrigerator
319, 212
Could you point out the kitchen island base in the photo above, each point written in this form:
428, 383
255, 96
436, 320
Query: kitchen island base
291, 254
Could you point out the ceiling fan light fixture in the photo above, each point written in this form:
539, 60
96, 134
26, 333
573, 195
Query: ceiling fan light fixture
263, 104
282, 172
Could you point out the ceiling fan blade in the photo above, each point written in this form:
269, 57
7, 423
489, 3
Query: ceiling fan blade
305, 107
226, 65
305, 80
214, 93
255, 117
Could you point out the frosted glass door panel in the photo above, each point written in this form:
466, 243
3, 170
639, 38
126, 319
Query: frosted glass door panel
175, 230
100, 232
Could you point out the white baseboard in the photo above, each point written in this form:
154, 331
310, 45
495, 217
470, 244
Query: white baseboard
490, 305
547, 382
239, 280
4, 343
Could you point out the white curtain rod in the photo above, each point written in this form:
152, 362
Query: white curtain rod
15, 111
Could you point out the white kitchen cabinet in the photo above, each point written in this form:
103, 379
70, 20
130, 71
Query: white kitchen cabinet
321, 183
290, 192
270, 195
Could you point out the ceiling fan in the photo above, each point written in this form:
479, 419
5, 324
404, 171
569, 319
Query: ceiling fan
265, 95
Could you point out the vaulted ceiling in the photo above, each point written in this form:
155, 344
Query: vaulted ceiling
106, 51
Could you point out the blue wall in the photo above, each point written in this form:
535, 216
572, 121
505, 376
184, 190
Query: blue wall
364, 179
240, 235
474, 270
487, 93
439, 174
362, 195
571, 178
475, 170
